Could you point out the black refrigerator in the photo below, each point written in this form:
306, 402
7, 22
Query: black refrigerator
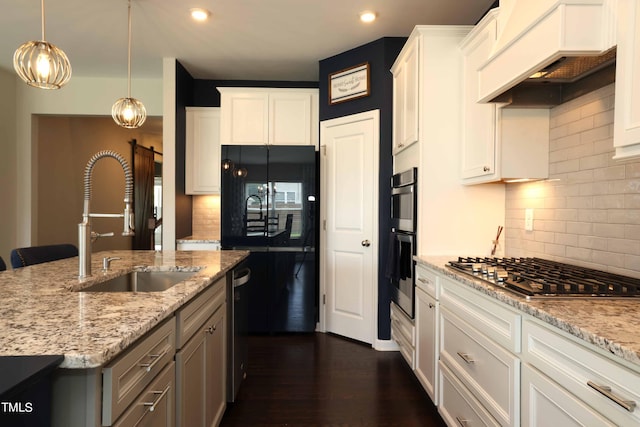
269, 206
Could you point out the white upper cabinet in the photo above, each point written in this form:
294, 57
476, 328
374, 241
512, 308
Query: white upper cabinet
479, 130
406, 91
497, 143
626, 134
257, 116
202, 155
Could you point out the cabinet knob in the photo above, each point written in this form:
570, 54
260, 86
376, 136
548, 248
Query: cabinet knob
486, 169
431, 305
366, 243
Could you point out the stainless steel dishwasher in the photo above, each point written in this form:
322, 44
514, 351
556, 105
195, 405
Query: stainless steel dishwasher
237, 312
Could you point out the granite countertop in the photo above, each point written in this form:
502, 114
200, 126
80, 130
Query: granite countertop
611, 325
197, 239
42, 312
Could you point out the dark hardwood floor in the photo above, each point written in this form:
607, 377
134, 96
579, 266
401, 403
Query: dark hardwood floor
324, 380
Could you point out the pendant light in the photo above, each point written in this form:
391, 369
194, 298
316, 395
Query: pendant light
41, 64
227, 166
129, 112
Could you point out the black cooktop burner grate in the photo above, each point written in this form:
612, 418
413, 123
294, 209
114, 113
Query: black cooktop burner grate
540, 278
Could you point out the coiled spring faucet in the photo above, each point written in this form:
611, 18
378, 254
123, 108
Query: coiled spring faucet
85, 235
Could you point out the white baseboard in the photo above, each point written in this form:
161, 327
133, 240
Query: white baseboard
385, 345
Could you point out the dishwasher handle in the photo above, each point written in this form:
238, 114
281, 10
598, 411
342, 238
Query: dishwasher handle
240, 277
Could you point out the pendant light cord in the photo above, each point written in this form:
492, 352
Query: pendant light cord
128, 55
42, 7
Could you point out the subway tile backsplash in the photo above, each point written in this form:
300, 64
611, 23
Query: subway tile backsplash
588, 212
205, 217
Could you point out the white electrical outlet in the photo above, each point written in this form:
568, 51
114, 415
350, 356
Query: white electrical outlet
528, 219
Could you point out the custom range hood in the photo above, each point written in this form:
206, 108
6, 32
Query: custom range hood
549, 51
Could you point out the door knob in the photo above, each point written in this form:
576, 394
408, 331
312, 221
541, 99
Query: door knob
366, 243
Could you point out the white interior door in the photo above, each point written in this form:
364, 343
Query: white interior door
350, 223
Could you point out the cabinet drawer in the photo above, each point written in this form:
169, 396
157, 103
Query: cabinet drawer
582, 371
127, 376
495, 320
427, 280
457, 405
544, 403
490, 372
403, 325
403, 333
155, 407
193, 315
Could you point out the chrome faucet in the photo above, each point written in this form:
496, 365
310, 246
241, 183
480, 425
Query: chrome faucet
85, 235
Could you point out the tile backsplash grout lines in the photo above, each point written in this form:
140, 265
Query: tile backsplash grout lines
588, 212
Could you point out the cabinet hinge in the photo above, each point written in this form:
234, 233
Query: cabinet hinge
324, 299
324, 225
324, 150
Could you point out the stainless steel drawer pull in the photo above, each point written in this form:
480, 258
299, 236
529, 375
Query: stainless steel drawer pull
466, 357
462, 422
426, 281
629, 405
156, 358
162, 394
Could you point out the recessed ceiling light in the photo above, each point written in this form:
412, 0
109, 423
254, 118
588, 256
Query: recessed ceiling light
200, 14
368, 16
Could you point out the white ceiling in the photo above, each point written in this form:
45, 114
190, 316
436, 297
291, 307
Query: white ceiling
244, 39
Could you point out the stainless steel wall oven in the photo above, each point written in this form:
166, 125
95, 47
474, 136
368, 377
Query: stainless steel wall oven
402, 239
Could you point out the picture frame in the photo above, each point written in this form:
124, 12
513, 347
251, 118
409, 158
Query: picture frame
349, 84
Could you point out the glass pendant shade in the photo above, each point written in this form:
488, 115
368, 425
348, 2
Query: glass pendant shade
129, 113
241, 173
41, 64
227, 165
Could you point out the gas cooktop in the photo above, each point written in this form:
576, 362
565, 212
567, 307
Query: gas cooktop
536, 278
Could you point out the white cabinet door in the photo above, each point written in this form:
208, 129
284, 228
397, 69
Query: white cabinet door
290, 118
479, 120
626, 136
245, 118
426, 342
405, 96
202, 155
544, 403
262, 116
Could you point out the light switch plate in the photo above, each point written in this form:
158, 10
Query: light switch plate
528, 219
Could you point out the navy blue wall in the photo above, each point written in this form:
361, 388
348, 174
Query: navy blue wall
184, 97
380, 55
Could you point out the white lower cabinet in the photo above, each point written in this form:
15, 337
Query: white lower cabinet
584, 376
479, 340
457, 406
544, 404
501, 367
403, 332
426, 323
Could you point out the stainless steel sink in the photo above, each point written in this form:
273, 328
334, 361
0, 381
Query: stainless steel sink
141, 281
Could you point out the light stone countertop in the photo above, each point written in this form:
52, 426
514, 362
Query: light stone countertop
197, 239
609, 324
41, 312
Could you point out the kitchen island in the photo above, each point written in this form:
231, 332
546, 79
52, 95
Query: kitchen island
45, 311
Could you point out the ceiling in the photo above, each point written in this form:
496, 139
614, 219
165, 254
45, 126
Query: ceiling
242, 40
